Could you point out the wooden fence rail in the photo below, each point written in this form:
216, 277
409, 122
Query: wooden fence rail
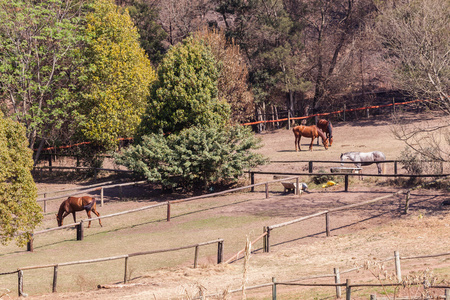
75, 189
100, 188
80, 227
125, 257
348, 285
267, 229
346, 175
312, 162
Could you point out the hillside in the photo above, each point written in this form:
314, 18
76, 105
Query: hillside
362, 235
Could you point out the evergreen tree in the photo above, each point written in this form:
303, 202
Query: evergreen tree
196, 157
185, 93
19, 211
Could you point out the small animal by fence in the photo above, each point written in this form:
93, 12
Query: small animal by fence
327, 128
308, 131
365, 158
73, 204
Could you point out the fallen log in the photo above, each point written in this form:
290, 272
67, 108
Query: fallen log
118, 286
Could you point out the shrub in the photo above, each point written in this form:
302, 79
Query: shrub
196, 157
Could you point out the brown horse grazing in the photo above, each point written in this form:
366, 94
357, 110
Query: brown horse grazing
74, 204
327, 128
308, 131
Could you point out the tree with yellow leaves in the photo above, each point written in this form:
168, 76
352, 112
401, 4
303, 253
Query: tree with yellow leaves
116, 75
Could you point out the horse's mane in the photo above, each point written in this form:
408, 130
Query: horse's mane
62, 208
330, 129
322, 135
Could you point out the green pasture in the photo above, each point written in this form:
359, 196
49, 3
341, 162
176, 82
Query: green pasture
191, 223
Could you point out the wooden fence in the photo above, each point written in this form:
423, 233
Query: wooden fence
265, 235
80, 225
267, 230
348, 285
92, 188
312, 162
125, 257
345, 174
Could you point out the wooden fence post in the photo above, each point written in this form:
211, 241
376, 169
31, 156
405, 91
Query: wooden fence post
393, 106
120, 192
267, 190
395, 167
126, 270
337, 280
297, 186
20, 283
55, 278
408, 196
267, 239
327, 224
274, 289
345, 108
447, 294
45, 203
398, 270
346, 183
219, 252
252, 181
310, 166
101, 197
168, 211
196, 257
348, 290
80, 231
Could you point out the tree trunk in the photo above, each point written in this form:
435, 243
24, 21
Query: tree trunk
38, 152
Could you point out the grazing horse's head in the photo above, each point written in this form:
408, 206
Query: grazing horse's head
59, 220
325, 143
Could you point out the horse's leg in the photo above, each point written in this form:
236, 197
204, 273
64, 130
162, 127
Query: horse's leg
310, 145
98, 215
297, 143
379, 168
89, 216
358, 165
74, 218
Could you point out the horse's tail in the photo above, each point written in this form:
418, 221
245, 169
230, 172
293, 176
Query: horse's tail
89, 206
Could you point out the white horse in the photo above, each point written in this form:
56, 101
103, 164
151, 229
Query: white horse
364, 158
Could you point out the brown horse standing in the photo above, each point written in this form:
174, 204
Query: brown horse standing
327, 128
308, 131
74, 204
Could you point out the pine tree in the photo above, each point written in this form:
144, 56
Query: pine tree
185, 93
195, 157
